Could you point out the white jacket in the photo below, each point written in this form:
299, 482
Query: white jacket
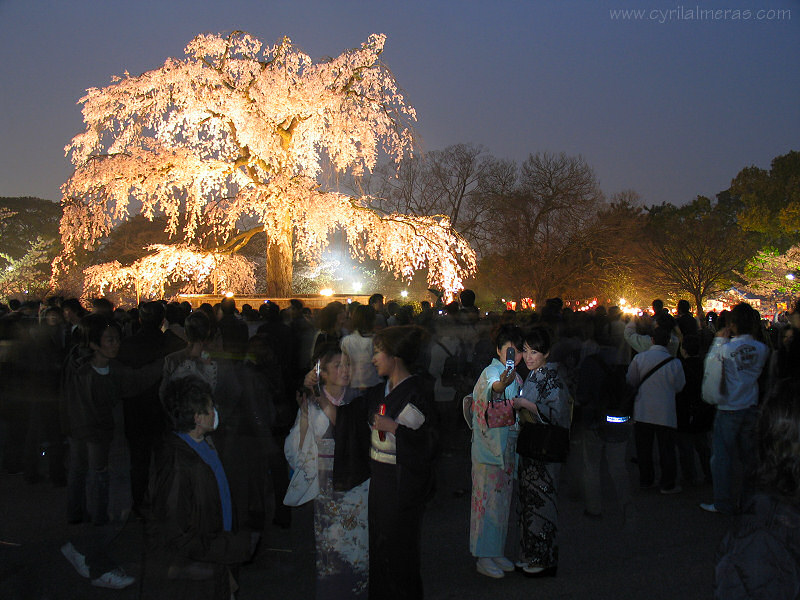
655, 402
732, 369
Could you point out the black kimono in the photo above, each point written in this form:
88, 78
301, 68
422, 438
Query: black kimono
402, 481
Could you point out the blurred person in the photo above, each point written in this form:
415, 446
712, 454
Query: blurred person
98, 480
358, 347
695, 417
686, 322
760, 556
600, 386
233, 329
376, 302
145, 421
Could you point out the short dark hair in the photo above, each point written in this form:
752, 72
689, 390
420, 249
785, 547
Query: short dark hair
538, 338
174, 313
402, 341
197, 327
467, 298
375, 298
102, 304
661, 336
151, 315
185, 397
74, 305
744, 317
364, 319
684, 307
228, 306
508, 333
93, 325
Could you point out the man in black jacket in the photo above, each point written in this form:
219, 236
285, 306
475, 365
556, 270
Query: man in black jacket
192, 537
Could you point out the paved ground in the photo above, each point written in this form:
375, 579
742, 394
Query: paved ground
669, 554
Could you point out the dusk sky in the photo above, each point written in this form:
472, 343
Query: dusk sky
668, 104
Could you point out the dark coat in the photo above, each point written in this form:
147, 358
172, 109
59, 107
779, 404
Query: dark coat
185, 537
760, 557
85, 416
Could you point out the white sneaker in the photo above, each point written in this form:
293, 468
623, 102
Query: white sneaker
115, 579
486, 566
76, 559
504, 564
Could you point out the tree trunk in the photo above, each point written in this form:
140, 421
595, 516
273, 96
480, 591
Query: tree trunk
700, 314
279, 262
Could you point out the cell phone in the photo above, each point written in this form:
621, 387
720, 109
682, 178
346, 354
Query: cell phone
317, 386
510, 356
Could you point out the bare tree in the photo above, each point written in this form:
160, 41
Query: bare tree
457, 182
696, 248
545, 231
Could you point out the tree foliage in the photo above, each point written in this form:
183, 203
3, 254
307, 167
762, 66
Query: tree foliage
771, 199
236, 133
772, 274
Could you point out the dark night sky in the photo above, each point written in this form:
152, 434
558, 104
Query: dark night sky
670, 109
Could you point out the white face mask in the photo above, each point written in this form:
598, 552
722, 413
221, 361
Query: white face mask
216, 420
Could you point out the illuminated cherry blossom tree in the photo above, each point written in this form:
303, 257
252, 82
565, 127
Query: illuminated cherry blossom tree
235, 135
195, 269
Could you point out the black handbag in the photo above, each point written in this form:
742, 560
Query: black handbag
544, 442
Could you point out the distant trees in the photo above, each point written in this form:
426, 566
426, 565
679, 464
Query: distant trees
772, 274
697, 248
28, 245
771, 199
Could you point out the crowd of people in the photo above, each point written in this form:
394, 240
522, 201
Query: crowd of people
189, 418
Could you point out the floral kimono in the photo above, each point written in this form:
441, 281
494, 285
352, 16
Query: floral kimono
493, 460
340, 517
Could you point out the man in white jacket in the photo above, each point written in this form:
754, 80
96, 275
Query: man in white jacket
654, 409
732, 368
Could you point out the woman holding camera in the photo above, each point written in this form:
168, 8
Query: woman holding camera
493, 455
318, 448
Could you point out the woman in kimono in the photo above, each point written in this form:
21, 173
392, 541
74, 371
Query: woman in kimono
324, 473
402, 447
493, 459
545, 395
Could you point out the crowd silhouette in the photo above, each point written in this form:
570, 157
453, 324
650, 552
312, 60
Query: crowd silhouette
208, 424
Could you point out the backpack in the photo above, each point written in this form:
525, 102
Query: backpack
454, 367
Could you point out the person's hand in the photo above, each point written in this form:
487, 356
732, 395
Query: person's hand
311, 379
384, 423
506, 377
521, 402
